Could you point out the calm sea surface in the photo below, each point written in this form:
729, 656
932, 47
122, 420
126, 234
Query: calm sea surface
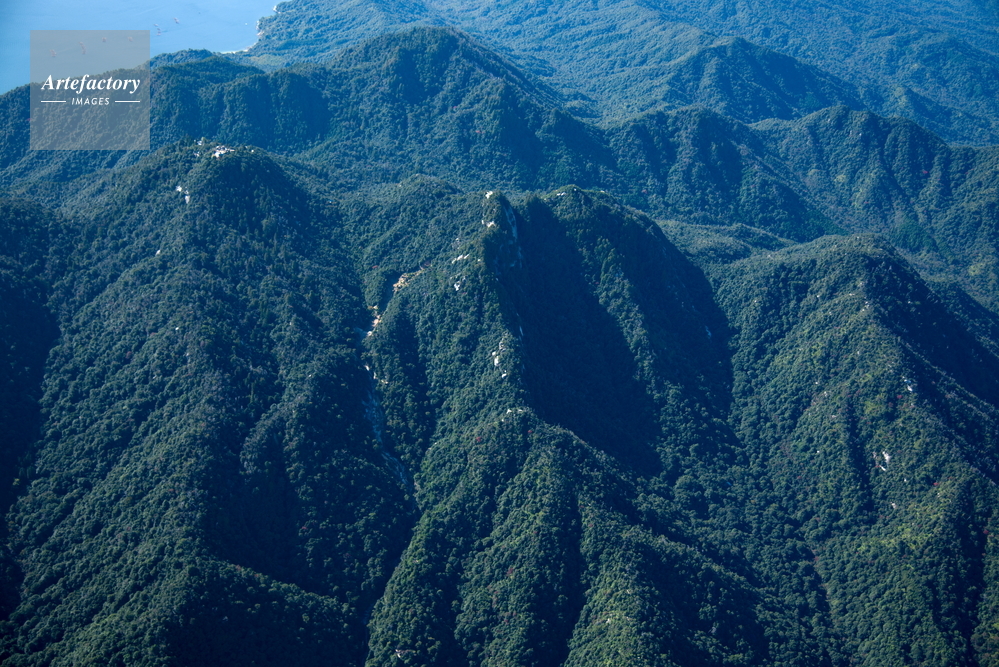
219, 25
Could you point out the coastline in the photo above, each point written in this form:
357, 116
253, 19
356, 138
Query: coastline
216, 27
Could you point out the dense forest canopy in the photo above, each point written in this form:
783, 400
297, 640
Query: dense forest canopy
526, 333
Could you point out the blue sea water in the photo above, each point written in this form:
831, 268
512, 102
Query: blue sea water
219, 25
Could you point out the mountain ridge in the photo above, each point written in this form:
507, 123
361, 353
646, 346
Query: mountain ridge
616, 52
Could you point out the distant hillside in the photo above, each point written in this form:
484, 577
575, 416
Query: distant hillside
933, 64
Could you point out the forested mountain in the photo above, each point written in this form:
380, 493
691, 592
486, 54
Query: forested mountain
937, 64
406, 353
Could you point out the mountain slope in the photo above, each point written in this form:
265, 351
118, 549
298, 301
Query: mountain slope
932, 63
549, 448
432, 101
612, 61
311, 389
873, 412
27, 333
576, 455
892, 177
619, 58
204, 366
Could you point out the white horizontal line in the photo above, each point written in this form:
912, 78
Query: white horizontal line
128, 101
52, 101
